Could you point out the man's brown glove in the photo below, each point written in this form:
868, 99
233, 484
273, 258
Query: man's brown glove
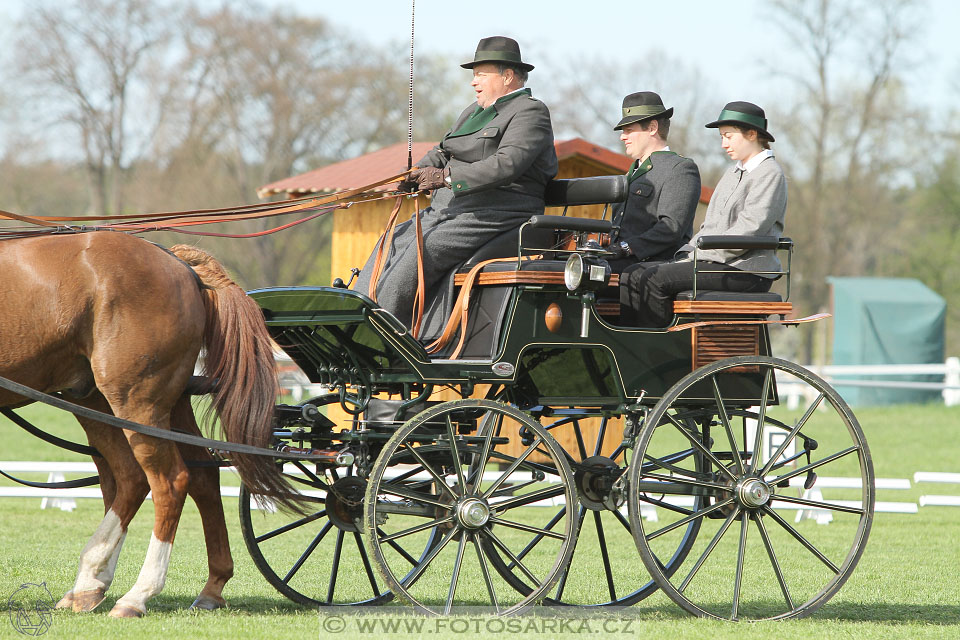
429, 178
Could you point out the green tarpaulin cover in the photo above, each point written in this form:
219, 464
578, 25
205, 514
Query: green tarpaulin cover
887, 321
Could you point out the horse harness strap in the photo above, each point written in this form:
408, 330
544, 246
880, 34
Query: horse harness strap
459, 315
163, 434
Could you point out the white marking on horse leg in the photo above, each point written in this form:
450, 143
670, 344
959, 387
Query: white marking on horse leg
152, 576
98, 560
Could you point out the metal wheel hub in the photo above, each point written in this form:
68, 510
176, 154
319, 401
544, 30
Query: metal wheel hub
595, 483
753, 493
345, 502
473, 513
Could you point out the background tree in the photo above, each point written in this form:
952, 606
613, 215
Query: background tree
88, 66
846, 134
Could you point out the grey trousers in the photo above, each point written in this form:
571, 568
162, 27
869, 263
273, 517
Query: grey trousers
449, 240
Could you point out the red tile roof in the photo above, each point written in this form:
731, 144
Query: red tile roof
377, 165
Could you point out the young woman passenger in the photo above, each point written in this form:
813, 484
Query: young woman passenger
749, 200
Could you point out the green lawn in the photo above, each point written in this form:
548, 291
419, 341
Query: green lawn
905, 586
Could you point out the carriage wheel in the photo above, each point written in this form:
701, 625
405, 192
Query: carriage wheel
318, 558
484, 499
603, 570
764, 550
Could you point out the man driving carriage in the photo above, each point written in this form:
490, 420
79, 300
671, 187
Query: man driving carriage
489, 174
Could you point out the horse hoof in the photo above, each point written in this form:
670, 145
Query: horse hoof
125, 611
208, 603
87, 600
66, 602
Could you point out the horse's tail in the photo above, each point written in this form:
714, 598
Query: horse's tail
239, 355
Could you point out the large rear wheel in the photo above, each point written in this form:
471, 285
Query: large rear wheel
757, 555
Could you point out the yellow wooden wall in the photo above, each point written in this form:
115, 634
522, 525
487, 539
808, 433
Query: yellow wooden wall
357, 229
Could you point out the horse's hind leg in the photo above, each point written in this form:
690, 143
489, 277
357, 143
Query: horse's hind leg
168, 478
125, 487
204, 488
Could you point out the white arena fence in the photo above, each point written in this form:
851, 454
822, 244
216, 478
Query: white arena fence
66, 499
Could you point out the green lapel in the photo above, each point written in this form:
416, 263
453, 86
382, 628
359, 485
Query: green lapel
481, 117
636, 170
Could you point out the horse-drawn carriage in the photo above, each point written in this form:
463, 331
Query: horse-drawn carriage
573, 443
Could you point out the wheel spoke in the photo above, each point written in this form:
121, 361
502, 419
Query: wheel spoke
810, 467
738, 576
758, 437
396, 547
710, 547
725, 420
366, 563
291, 526
513, 467
423, 463
694, 516
799, 538
537, 538
414, 575
310, 474
816, 504
516, 561
601, 433
581, 445
418, 528
485, 570
485, 454
605, 556
406, 492
562, 584
455, 577
793, 434
527, 498
455, 452
528, 528
768, 544
700, 447
698, 483
335, 566
309, 550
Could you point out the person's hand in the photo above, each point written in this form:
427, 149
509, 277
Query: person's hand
407, 186
429, 178
618, 250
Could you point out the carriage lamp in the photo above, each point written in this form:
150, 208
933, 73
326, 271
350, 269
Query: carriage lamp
586, 271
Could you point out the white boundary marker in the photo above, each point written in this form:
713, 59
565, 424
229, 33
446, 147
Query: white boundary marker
938, 500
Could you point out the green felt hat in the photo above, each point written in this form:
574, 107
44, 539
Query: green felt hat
744, 114
498, 49
640, 106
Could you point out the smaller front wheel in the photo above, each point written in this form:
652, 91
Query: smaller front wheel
441, 472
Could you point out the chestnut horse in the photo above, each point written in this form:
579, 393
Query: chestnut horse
116, 323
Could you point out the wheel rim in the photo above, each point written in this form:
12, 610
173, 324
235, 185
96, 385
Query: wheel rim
604, 570
318, 558
482, 518
757, 555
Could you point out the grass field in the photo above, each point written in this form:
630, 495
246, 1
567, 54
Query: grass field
906, 585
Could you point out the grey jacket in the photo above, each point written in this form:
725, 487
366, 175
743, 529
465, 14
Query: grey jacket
753, 204
657, 218
503, 165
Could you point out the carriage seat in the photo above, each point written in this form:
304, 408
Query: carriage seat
558, 193
731, 302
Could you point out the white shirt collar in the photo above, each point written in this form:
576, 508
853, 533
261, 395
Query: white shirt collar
753, 162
